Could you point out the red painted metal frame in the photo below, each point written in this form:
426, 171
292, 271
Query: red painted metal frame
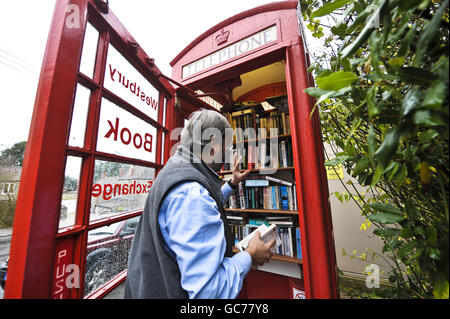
319, 261
36, 241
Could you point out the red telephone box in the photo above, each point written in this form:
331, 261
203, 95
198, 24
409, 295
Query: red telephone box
101, 130
252, 56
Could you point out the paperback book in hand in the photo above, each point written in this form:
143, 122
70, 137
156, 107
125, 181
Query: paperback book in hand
267, 234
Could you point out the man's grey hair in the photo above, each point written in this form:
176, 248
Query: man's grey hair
200, 128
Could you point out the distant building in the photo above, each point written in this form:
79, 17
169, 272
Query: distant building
9, 181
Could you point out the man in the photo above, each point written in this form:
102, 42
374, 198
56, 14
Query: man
182, 245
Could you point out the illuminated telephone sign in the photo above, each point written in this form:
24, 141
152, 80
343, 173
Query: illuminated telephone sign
229, 52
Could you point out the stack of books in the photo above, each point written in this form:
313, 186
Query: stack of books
262, 154
264, 123
262, 138
288, 242
267, 193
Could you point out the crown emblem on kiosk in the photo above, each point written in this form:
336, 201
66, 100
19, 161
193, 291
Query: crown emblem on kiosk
222, 37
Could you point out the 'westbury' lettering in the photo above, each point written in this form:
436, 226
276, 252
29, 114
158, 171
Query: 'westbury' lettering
132, 86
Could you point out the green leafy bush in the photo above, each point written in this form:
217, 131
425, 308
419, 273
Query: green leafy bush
382, 93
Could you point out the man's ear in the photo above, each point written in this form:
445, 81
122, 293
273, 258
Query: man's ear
211, 152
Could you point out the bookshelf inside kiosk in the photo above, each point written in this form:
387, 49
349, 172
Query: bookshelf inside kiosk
268, 196
252, 66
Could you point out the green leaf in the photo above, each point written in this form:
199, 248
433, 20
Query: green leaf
388, 147
435, 95
393, 171
385, 218
371, 143
365, 33
372, 106
339, 29
315, 91
408, 248
406, 233
411, 209
411, 101
429, 118
431, 234
416, 75
336, 81
406, 43
434, 253
386, 232
377, 175
385, 208
441, 288
324, 95
401, 176
397, 61
329, 7
430, 32
337, 160
391, 245
361, 165
408, 4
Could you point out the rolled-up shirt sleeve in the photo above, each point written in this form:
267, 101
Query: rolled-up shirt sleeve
190, 223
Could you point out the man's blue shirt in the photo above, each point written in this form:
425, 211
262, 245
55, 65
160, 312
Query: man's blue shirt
191, 226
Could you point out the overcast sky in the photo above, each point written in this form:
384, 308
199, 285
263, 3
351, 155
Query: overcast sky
162, 28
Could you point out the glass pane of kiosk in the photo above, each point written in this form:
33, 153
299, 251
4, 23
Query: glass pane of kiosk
69, 199
80, 111
124, 132
121, 133
119, 188
126, 82
87, 63
107, 253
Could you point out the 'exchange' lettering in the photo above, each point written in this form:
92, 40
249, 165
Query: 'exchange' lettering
112, 190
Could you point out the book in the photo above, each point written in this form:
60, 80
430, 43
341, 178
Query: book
298, 243
241, 195
284, 198
279, 181
290, 198
295, 197
256, 182
267, 234
284, 159
250, 194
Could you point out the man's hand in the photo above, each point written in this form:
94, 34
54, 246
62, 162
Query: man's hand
237, 175
259, 251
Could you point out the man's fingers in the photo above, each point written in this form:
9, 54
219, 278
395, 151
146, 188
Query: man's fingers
237, 162
270, 243
245, 173
257, 235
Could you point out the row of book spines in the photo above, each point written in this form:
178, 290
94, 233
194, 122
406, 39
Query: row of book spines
256, 157
288, 238
264, 197
274, 122
240, 119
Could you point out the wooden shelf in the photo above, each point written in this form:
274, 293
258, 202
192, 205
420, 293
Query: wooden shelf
260, 170
262, 211
280, 257
262, 138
